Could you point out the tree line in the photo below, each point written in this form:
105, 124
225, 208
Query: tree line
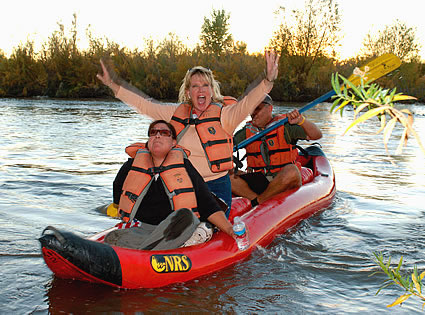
305, 40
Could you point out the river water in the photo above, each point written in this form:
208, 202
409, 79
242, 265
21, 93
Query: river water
57, 162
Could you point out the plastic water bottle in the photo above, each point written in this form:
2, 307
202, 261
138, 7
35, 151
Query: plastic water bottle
241, 235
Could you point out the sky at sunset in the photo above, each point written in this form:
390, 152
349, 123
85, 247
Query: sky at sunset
128, 22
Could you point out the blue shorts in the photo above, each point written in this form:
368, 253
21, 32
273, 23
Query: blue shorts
221, 188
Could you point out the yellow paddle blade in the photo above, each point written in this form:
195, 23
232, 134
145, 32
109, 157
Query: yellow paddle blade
376, 68
112, 210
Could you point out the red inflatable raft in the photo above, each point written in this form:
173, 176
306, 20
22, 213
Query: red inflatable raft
72, 257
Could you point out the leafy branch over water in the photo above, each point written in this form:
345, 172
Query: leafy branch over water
378, 102
412, 285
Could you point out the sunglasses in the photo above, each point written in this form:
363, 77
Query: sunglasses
198, 69
162, 132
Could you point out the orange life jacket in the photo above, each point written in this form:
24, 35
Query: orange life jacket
229, 100
172, 173
279, 152
217, 143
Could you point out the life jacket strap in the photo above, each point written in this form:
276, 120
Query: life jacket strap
156, 169
194, 121
268, 168
220, 161
182, 190
213, 142
133, 197
271, 152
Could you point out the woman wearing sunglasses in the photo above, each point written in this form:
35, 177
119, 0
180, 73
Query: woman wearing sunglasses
159, 187
203, 125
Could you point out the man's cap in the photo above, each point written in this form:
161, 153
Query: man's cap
268, 100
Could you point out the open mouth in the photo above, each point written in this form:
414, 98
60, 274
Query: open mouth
201, 100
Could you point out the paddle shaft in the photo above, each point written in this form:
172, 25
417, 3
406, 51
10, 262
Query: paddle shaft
282, 121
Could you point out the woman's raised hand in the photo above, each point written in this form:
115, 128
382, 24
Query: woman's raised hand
272, 65
105, 77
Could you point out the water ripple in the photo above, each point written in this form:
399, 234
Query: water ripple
58, 159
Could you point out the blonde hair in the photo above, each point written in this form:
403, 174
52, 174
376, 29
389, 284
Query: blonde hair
208, 76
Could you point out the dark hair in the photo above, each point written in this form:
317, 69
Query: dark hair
170, 126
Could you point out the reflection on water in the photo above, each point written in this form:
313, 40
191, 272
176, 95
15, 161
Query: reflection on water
80, 297
57, 162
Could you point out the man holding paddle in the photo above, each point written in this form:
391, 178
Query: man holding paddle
271, 159
374, 69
